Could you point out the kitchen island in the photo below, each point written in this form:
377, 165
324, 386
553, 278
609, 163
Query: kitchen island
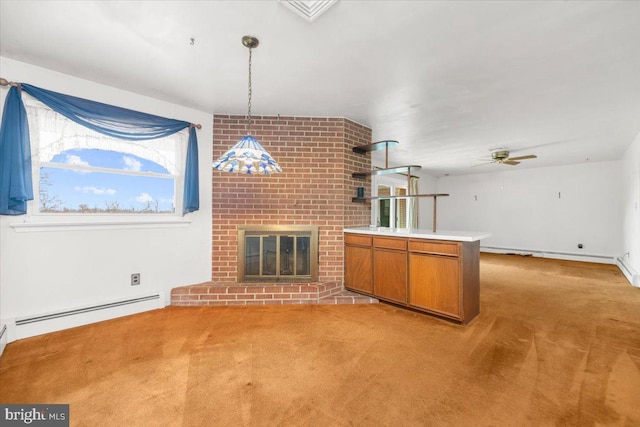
436, 273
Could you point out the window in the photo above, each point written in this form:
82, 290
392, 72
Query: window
79, 171
392, 212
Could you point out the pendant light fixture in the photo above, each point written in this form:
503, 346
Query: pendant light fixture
247, 155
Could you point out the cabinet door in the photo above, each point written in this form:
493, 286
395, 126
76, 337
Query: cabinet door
435, 283
357, 268
390, 275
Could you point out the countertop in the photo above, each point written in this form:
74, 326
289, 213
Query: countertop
419, 233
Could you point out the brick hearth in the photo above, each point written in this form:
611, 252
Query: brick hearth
266, 294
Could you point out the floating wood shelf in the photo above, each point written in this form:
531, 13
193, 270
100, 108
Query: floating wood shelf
395, 169
382, 145
375, 146
364, 199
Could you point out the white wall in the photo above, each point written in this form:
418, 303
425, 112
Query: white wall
49, 271
631, 207
523, 212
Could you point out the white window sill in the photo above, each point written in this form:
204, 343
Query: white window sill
75, 224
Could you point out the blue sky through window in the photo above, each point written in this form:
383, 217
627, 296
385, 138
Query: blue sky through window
73, 189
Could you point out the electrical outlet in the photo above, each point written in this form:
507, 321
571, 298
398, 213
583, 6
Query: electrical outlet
135, 279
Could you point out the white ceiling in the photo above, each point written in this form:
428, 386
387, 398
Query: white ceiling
449, 80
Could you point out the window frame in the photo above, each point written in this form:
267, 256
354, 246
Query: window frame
35, 220
75, 167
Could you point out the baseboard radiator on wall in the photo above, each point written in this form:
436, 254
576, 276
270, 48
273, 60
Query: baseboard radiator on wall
629, 272
3, 337
41, 324
550, 254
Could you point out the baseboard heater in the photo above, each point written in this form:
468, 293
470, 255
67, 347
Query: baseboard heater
632, 276
45, 323
3, 337
551, 254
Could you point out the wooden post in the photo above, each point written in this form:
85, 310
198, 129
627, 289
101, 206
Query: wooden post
435, 199
386, 155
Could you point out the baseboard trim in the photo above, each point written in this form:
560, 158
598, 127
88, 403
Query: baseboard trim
50, 322
567, 256
629, 272
3, 337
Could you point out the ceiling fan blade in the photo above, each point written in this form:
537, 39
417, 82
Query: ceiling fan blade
482, 164
530, 156
510, 162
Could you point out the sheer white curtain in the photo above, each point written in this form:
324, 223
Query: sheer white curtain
52, 133
413, 203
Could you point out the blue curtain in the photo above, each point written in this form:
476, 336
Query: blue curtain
15, 157
191, 200
117, 122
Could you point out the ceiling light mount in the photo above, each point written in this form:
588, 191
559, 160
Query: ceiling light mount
500, 155
250, 42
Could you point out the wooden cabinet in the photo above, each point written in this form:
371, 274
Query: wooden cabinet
435, 283
444, 278
390, 269
433, 276
358, 267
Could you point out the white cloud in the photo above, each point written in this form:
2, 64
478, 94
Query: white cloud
131, 164
72, 159
144, 198
95, 190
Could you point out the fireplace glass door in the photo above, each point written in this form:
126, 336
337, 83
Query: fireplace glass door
274, 256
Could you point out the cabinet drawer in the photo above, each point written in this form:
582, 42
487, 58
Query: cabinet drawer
434, 247
390, 243
357, 239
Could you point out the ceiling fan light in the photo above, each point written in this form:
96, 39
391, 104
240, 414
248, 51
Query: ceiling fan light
501, 157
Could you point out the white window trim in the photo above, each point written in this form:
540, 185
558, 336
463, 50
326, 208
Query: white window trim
97, 222
108, 170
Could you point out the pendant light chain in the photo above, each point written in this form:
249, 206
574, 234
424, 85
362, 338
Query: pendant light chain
247, 155
249, 103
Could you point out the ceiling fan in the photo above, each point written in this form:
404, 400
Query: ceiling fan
502, 156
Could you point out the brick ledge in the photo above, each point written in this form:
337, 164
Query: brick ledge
223, 294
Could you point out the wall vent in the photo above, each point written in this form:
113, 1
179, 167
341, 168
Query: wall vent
308, 9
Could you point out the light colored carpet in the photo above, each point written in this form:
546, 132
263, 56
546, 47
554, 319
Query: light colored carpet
556, 343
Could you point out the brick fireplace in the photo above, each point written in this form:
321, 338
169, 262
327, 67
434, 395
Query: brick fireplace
315, 188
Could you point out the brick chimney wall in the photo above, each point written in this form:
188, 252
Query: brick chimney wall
315, 187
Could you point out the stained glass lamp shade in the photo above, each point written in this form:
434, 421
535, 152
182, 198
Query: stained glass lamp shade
249, 157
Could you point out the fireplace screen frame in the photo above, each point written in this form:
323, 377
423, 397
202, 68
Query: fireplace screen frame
310, 231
